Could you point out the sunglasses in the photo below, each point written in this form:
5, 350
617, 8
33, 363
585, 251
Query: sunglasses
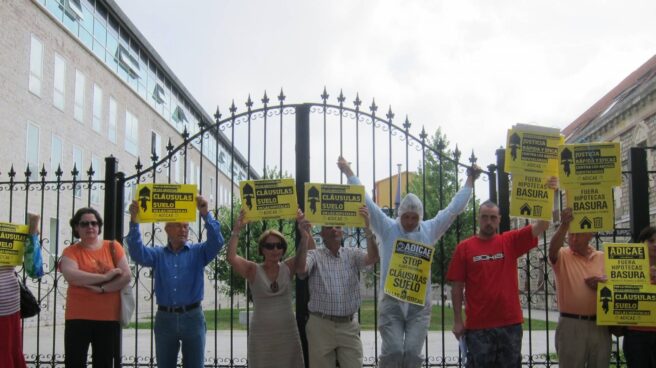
88, 223
270, 246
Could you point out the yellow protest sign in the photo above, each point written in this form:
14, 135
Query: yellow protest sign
334, 204
12, 243
592, 207
166, 202
627, 262
531, 197
409, 271
532, 150
628, 298
269, 199
590, 163
626, 304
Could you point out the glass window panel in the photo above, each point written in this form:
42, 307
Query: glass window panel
78, 110
56, 155
71, 24
99, 50
95, 190
79, 165
59, 83
111, 130
36, 66
97, 107
55, 9
86, 38
99, 30
87, 19
131, 133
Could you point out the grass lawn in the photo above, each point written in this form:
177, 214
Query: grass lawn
366, 319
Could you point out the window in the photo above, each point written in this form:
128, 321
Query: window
177, 170
191, 174
179, 115
131, 133
73, 9
97, 107
95, 191
128, 62
211, 191
111, 123
36, 66
59, 94
32, 145
159, 94
155, 144
78, 110
79, 165
56, 155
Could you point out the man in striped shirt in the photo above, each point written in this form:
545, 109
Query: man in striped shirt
333, 335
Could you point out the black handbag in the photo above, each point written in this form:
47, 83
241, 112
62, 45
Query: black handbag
29, 306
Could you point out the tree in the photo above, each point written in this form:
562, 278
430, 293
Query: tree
439, 175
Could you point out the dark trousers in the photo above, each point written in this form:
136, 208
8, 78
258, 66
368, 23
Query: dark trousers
640, 349
105, 340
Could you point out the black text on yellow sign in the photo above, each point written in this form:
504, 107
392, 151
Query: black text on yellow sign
532, 151
166, 202
626, 262
531, 197
592, 207
626, 304
628, 298
590, 163
409, 271
12, 243
334, 204
269, 199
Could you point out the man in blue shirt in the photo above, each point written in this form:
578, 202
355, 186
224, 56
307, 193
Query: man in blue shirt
179, 282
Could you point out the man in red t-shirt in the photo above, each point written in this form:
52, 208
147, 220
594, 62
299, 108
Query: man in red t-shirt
485, 265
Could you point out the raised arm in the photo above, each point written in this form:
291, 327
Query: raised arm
139, 253
558, 238
379, 220
240, 265
372, 246
542, 225
214, 242
297, 263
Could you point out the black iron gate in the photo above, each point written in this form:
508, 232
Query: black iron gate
288, 140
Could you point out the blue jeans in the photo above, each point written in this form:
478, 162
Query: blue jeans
494, 347
403, 329
173, 329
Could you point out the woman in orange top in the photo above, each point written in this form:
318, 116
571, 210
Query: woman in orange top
640, 342
95, 277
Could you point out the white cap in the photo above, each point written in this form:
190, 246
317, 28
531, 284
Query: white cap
411, 203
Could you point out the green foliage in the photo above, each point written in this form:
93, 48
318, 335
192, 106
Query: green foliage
442, 182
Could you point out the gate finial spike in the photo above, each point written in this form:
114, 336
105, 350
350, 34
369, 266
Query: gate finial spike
406, 124
473, 158
281, 96
324, 95
91, 171
217, 114
373, 106
43, 172
423, 134
357, 101
12, 172
265, 99
390, 114
28, 172
233, 108
457, 153
249, 102
341, 97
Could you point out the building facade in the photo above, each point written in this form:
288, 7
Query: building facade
81, 83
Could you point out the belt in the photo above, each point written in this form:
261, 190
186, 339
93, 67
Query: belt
182, 309
333, 318
577, 316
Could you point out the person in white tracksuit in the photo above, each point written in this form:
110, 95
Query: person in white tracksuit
403, 326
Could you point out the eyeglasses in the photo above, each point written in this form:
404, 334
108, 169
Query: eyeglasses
88, 223
270, 246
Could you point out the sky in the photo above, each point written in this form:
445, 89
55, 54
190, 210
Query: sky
470, 68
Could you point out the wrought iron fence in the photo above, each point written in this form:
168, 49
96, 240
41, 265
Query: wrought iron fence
277, 140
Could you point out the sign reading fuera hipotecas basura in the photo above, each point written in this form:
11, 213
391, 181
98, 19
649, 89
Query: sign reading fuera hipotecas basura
628, 298
532, 151
334, 204
272, 199
409, 271
12, 243
166, 202
590, 162
592, 207
626, 262
531, 196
